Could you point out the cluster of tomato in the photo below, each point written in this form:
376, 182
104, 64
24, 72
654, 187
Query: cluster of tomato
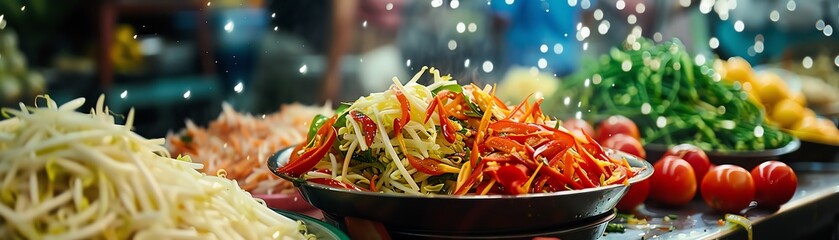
685, 169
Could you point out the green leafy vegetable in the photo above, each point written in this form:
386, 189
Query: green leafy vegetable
670, 98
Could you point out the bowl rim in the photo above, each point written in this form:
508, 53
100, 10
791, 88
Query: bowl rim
645, 173
790, 147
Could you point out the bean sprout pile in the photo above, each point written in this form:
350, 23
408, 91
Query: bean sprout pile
70, 175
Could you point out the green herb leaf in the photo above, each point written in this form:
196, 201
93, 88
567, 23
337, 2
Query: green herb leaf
455, 88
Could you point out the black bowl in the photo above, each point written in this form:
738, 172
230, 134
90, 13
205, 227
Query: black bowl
745, 159
813, 152
593, 229
448, 214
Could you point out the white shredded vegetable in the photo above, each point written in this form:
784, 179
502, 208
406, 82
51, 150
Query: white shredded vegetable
71, 175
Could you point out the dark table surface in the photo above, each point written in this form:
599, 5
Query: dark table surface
812, 213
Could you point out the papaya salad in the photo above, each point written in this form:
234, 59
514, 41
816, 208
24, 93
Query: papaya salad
449, 139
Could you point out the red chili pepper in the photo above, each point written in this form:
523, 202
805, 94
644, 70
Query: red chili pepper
397, 128
498, 157
503, 144
552, 148
539, 184
591, 160
367, 125
595, 149
336, 184
583, 175
507, 126
557, 158
300, 164
445, 124
430, 110
512, 177
406, 111
428, 166
537, 112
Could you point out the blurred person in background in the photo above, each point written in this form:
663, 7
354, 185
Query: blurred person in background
541, 33
453, 36
780, 26
300, 31
367, 28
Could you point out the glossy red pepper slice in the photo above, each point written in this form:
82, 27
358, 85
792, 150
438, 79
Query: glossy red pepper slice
583, 175
550, 149
499, 157
431, 108
507, 126
406, 111
397, 128
300, 164
428, 166
512, 177
447, 129
445, 123
336, 184
594, 148
593, 162
367, 125
503, 144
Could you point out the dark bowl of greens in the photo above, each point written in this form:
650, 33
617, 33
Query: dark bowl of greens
674, 98
746, 159
468, 214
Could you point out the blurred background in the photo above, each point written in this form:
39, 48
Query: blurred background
174, 60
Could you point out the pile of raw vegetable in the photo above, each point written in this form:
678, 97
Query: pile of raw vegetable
445, 138
237, 145
673, 99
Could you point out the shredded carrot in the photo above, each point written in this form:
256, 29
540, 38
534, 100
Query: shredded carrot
228, 140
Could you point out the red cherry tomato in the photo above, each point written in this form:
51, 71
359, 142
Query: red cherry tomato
673, 182
627, 144
728, 188
577, 126
775, 183
614, 125
636, 195
695, 156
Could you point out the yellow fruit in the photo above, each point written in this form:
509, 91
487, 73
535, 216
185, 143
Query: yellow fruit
787, 112
771, 89
798, 97
828, 127
808, 113
738, 69
808, 124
